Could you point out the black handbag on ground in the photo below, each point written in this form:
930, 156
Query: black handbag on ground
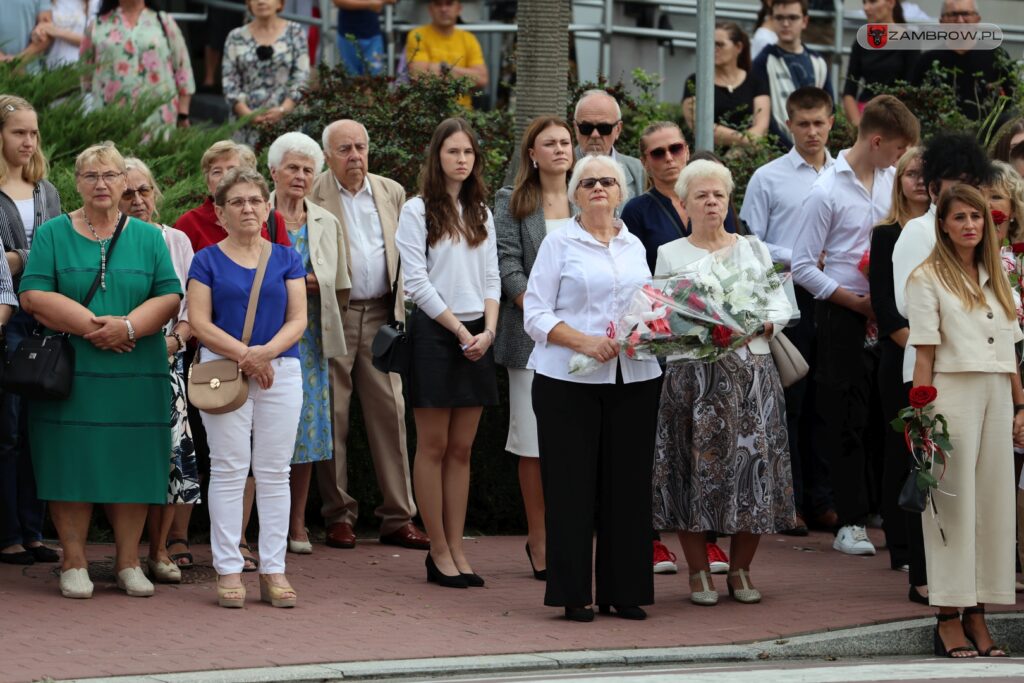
912, 498
391, 349
43, 367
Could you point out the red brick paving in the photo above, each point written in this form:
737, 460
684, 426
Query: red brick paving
373, 603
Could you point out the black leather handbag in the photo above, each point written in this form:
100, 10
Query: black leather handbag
43, 366
391, 348
912, 498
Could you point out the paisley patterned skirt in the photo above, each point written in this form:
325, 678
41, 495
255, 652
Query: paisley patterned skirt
721, 459
183, 486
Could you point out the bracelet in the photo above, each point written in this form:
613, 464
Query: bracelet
131, 329
491, 332
1017, 407
177, 338
456, 333
182, 116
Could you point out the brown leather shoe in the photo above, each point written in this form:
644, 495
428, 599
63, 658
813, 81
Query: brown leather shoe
407, 536
827, 520
340, 535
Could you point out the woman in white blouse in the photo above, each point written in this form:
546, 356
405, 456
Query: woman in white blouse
722, 457
596, 432
449, 257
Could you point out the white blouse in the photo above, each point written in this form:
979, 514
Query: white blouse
449, 274
180, 247
578, 281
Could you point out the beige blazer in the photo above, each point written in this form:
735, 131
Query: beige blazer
328, 254
388, 196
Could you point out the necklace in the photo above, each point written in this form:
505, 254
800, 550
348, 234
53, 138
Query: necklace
103, 247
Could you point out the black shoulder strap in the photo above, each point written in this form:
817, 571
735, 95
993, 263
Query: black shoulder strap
163, 27
673, 218
110, 250
272, 225
393, 294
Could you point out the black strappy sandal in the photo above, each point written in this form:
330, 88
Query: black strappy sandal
992, 648
177, 557
940, 647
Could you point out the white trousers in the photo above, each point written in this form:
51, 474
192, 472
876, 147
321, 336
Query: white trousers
261, 433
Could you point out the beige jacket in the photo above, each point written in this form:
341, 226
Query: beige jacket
388, 196
328, 254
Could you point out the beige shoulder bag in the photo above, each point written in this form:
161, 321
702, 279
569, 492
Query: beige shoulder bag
790, 362
219, 386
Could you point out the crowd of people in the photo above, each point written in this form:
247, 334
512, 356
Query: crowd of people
895, 247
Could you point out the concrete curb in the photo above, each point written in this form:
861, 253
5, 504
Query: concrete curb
891, 639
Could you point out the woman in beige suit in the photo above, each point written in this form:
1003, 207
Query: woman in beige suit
294, 160
963, 323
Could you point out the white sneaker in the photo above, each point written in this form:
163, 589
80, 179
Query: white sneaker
853, 540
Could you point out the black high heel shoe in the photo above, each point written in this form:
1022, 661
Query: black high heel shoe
473, 580
940, 647
434, 575
992, 648
915, 596
579, 614
540, 575
624, 611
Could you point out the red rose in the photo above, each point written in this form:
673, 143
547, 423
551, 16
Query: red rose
721, 336
998, 217
695, 302
1017, 248
922, 396
660, 326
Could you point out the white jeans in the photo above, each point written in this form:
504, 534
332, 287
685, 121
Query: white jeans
261, 432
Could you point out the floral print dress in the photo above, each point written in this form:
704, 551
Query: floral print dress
128, 62
267, 82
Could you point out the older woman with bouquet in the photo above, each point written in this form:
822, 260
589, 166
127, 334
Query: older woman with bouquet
963, 324
595, 432
722, 454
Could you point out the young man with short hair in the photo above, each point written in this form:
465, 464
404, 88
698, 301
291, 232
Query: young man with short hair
788, 65
771, 209
846, 201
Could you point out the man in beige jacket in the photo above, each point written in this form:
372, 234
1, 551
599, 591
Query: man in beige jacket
368, 207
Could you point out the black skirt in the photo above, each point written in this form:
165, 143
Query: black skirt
441, 376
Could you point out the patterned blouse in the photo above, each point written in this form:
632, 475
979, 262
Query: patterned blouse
262, 83
148, 59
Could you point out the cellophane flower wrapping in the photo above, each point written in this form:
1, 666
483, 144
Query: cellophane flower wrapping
716, 305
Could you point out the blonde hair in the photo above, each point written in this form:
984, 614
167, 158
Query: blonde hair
900, 211
102, 153
1009, 181
36, 168
136, 164
946, 264
224, 148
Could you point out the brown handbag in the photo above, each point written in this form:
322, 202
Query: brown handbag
219, 386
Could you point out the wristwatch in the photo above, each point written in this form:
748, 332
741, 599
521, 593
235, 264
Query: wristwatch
131, 329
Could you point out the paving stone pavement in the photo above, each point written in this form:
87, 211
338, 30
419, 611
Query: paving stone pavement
373, 603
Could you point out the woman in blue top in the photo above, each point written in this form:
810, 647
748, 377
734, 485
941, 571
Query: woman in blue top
262, 431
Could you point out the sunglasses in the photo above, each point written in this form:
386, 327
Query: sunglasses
587, 128
143, 191
675, 149
590, 183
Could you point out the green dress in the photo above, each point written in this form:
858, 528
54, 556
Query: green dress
108, 442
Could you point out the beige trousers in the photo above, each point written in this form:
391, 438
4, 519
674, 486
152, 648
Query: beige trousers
976, 563
383, 406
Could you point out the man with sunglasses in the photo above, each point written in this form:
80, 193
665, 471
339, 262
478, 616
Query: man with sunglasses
782, 68
598, 123
975, 74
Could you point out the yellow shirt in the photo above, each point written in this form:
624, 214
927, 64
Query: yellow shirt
426, 45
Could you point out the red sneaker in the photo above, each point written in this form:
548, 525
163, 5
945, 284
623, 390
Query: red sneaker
717, 558
664, 559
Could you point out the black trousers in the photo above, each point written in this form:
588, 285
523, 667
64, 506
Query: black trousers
596, 455
844, 383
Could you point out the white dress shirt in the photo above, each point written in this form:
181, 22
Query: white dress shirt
771, 205
449, 275
578, 281
837, 218
365, 243
915, 244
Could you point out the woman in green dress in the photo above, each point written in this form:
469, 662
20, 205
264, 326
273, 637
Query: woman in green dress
108, 442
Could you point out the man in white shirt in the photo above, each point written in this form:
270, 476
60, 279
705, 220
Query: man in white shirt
598, 123
368, 207
771, 209
948, 159
848, 199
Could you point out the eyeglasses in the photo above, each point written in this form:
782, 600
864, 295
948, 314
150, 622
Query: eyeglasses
238, 203
962, 14
590, 183
93, 178
675, 149
587, 128
142, 190
787, 18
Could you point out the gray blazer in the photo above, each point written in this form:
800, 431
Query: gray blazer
518, 242
636, 177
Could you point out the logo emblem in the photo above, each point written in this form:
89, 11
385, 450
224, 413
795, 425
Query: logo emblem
878, 35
